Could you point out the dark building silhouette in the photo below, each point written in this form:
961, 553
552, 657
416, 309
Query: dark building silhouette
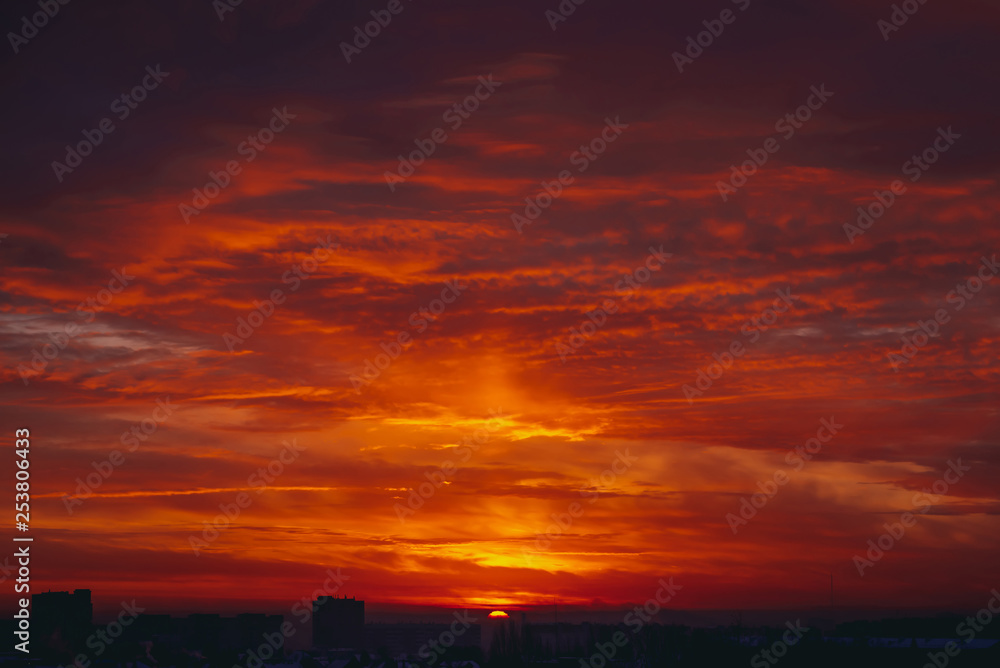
61, 621
398, 639
154, 627
248, 629
202, 630
206, 631
338, 623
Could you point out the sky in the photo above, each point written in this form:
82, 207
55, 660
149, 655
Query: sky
470, 398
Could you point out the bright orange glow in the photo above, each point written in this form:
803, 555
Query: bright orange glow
549, 434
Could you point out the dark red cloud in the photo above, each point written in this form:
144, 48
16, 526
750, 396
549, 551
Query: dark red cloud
476, 540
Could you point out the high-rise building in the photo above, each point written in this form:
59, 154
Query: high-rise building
61, 621
338, 623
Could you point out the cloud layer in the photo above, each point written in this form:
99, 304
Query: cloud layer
385, 375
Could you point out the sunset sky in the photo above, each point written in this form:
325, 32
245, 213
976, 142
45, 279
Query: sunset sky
490, 395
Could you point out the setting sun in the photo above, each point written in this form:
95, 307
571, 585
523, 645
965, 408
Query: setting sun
422, 332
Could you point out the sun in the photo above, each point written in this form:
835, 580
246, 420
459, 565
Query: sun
498, 614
